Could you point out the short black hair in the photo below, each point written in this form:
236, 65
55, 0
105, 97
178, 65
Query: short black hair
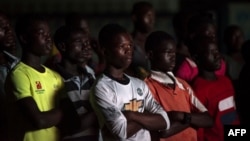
155, 39
64, 32
108, 32
26, 21
140, 7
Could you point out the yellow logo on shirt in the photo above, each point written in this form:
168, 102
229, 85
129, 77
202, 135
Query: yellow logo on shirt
133, 105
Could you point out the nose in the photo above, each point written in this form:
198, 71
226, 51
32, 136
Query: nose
129, 49
48, 37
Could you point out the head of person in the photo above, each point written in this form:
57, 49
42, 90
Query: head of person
206, 54
180, 21
77, 20
7, 36
143, 16
202, 24
161, 48
34, 34
117, 45
233, 38
245, 51
73, 44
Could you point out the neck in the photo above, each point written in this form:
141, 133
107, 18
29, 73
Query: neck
208, 75
140, 38
72, 68
116, 73
33, 60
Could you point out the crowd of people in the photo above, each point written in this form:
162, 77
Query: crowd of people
142, 85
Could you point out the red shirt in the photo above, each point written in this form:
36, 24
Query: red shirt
218, 97
179, 99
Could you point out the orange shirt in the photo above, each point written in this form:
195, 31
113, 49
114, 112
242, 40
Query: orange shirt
181, 98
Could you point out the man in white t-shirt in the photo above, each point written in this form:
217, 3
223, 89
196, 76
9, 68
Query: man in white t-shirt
124, 105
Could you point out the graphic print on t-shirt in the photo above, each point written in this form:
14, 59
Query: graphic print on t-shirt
133, 105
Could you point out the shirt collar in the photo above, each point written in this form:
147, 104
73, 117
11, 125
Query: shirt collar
86, 71
165, 78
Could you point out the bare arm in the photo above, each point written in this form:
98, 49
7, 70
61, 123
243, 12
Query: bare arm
146, 120
132, 128
203, 120
89, 120
179, 123
38, 118
175, 128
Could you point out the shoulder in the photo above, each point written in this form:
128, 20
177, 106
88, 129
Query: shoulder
90, 70
53, 73
20, 68
136, 81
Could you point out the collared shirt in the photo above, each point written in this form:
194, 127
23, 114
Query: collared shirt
4, 69
78, 89
177, 98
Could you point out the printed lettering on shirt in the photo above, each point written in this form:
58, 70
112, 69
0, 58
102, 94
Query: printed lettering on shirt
39, 88
38, 85
133, 105
139, 91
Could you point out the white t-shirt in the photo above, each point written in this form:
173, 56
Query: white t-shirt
109, 98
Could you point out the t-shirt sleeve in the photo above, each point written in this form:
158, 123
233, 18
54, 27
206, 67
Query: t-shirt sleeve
154, 107
108, 114
20, 84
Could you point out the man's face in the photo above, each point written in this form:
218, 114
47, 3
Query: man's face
145, 21
119, 54
39, 38
7, 38
78, 48
210, 57
164, 56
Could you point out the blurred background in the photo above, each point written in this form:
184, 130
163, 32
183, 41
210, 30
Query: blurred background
100, 12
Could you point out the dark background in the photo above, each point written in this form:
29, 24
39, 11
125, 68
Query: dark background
100, 12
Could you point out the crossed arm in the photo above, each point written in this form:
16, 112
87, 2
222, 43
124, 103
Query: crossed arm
39, 119
179, 122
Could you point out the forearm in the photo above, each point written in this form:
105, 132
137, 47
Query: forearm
175, 127
88, 120
39, 119
132, 128
193, 119
146, 120
201, 120
49, 118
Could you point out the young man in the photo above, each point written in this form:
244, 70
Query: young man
74, 46
200, 24
8, 50
121, 101
172, 93
214, 91
8, 60
31, 88
143, 17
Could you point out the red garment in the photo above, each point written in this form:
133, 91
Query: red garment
179, 99
188, 70
218, 97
